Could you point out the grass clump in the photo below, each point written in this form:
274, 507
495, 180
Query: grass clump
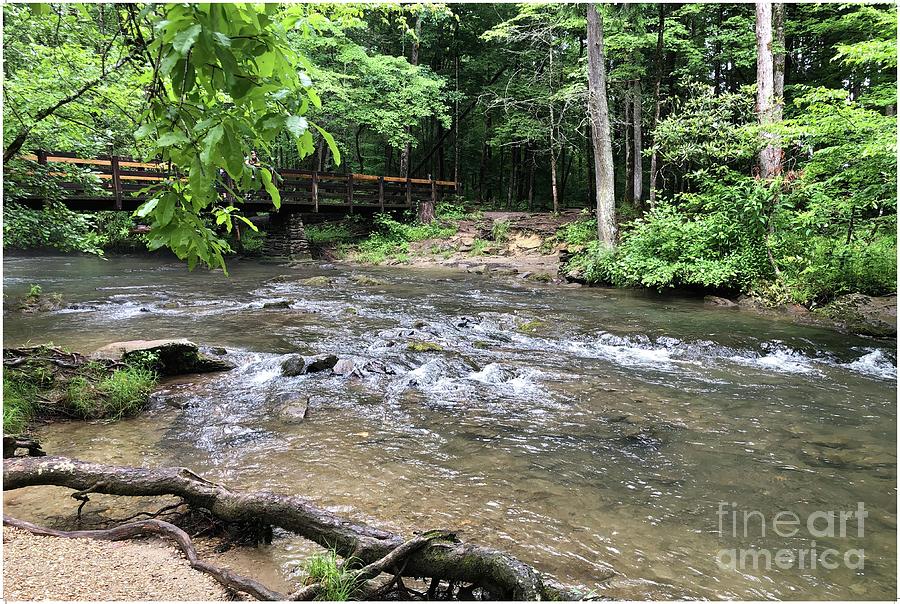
18, 403
337, 585
97, 394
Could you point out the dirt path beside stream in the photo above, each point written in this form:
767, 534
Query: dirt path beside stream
53, 568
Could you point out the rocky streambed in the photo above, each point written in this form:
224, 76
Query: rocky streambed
585, 430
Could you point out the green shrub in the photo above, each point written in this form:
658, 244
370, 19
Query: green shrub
391, 238
478, 247
328, 233
500, 231
580, 232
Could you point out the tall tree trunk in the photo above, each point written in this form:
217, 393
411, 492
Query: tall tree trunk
553, 187
456, 110
627, 135
638, 170
359, 158
770, 156
778, 59
656, 99
531, 183
414, 60
598, 109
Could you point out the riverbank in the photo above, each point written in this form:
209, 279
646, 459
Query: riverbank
539, 248
53, 568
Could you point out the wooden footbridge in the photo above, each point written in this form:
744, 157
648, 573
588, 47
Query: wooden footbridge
302, 191
305, 195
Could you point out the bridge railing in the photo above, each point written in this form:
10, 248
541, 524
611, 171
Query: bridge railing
123, 178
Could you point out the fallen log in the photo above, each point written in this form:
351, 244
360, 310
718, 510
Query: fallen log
500, 574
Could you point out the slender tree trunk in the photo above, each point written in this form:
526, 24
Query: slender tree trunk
778, 59
553, 182
531, 183
638, 170
598, 109
656, 99
359, 158
456, 110
770, 156
414, 60
627, 135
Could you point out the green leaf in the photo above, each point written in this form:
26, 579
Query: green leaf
247, 222
165, 210
331, 145
170, 139
185, 39
146, 208
314, 97
266, 177
210, 141
296, 125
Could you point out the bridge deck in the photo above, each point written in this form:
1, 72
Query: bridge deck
122, 180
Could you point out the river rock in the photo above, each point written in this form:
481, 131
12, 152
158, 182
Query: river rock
478, 270
344, 367
321, 363
277, 304
293, 412
866, 315
719, 301
299, 365
172, 357
293, 366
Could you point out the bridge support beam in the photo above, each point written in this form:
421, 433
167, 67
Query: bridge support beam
286, 237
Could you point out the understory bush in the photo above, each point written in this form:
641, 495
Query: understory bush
391, 238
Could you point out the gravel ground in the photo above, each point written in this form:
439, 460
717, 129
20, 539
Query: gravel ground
52, 568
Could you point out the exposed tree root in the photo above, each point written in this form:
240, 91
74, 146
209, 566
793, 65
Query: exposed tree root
158, 527
438, 555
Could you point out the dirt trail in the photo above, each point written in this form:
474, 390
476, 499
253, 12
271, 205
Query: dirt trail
52, 568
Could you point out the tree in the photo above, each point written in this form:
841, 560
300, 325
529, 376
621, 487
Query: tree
770, 156
598, 109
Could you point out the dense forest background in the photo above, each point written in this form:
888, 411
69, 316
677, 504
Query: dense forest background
495, 96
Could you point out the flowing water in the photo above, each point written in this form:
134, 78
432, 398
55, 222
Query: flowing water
619, 434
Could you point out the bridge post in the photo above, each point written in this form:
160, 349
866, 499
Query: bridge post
381, 192
350, 190
116, 180
285, 237
42, 157
315, 190
408, 192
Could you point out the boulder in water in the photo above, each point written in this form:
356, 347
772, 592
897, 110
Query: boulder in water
294, 412
344, 367
299, 365
167, 357
719, 301
277, 304
321, 363
866, 315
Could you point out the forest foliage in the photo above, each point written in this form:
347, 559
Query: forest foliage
492, 95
